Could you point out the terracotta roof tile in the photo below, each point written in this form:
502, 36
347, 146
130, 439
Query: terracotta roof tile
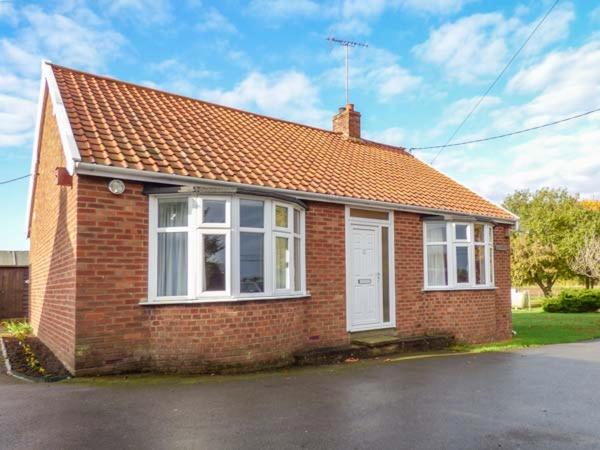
125, 125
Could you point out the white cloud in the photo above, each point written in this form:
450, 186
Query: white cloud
392, 136
392, 80
350, 27
62, 39
214, 21
454, 113
478, 46
350, 17
81, 40
147, 11
564, 83
16, 118
279, 9
176, 76
557, 159
435, 6
353, 17
361, 8
8, 12
287, 95
561, 84
375, 70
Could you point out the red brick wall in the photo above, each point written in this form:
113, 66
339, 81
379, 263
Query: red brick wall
52, 249
326, 274
470, 316
112, 329
115, 333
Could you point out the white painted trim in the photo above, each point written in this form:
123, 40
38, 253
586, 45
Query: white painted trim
459, 288
177, 301
349, 221
84, 168
67, 139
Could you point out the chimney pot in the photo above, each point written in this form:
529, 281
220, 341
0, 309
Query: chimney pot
347, 122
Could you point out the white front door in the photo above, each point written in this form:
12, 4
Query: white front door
365, 277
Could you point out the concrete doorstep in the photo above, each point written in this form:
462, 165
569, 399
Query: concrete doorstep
370, 345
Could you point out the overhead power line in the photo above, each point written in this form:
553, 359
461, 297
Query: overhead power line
485, 94
15, 179
512, 133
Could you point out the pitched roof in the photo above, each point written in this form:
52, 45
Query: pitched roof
124, 125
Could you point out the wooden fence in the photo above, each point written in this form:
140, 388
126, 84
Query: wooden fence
13, 292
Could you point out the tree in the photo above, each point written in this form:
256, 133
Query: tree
548, 236
587, 260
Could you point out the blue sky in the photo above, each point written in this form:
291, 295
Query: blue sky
426, 64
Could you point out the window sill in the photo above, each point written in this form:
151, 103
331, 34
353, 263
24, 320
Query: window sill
179, 301
460, 288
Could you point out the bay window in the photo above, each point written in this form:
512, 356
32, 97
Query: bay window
224, 248
458, 255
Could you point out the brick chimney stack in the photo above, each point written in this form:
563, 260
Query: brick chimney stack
347, 122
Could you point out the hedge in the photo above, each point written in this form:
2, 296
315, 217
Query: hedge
574, 301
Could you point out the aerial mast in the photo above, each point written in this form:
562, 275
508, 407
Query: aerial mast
347, 45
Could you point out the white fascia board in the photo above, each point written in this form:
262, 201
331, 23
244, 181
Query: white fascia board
157, 177
67, 139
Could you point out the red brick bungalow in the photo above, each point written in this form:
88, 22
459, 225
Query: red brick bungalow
169, 233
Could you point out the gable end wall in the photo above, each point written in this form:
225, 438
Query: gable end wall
53, 248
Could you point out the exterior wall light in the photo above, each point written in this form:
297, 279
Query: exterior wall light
116, 187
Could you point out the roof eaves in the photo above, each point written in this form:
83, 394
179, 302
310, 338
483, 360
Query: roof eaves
93, 169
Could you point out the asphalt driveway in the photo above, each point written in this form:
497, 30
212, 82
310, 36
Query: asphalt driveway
546, 398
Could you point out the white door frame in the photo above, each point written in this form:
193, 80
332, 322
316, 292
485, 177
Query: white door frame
392, 269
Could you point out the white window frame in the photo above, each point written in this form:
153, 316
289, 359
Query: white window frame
154, 230
231, 229
452, 243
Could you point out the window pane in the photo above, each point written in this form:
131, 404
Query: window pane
368, 214
462, 264
297, 265
436, 231
172, 264
213, 211
252, 262
281, 216
437, 265
282, 258
480, 264
490, 233
172, 213
296, 221
479, 229
385, 274
214, 262
461, 232
252, 213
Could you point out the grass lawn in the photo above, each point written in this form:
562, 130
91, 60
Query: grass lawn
540, 328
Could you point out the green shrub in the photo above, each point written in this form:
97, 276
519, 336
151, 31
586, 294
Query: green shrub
20, 330
574, 301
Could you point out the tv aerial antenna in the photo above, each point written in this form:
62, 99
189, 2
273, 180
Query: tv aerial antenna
347, 45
